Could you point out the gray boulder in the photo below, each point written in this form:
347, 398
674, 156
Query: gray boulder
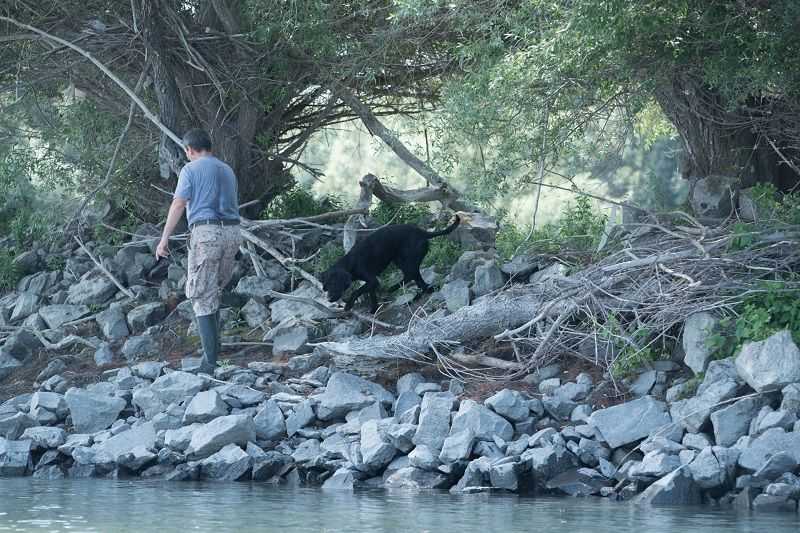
676, 488
732, 422
177, 386
758, 451
140, 436
457, 446
424, 458
178, 439
509, 404
770, 364
408, 382
44, 438
92, 411
112, 323
629, 422
488, 278
269, 421
434, 420
91, 291
15, 457
406, 400
56, 315
257, 288
139, 346
213, 436
376, 448
401, 436
697, 329
255, 314
484, 424
346, 392
13, 425
714, 467
456, 294
415, 478
231, 463
142, 317
282, 309
204, 407
547, 462
27, 303
693, 413
713, 196
290, 340
302, 416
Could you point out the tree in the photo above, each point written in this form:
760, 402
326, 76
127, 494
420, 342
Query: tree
260, 75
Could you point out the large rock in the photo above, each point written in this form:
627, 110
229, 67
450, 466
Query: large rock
92, 411
13, 425
733, 421
770, 364
56, 315
112, 323
713, 196
44, 438
204, 407
282, 309
676, 488
346, 392
775, 440
177, 386
212, 437
257, 288
714, 467
15, 457
509, 404
92, 291
488, 278
693, 413
146, 315
138, 346
231, 463
178, 439
434, 420
141, 436
269, 421
255, 314
484, 424
696, 331
302, 416
547, 462
629, 422
456, 294
27, 303
457, 447
8, 363
376, 448
414, 478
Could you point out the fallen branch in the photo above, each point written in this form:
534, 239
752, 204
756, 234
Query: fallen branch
105, 271
63, 343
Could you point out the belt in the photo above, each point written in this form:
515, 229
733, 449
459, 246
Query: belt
214, 222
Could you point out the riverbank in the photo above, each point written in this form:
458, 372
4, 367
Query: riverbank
296, 408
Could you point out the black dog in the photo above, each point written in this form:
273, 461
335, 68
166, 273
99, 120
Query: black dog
405, 245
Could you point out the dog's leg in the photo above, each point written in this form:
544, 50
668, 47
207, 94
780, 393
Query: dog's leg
370, 286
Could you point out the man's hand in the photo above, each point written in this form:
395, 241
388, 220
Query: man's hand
162, 250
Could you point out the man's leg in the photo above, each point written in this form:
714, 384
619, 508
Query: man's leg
202, 288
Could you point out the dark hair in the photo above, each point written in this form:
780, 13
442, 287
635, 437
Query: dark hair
197, 139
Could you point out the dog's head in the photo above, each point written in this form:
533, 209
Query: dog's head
335, 281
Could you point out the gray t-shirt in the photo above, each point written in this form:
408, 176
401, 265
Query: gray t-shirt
209, 185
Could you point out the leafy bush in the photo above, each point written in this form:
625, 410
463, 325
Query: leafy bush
442, 254
759, 316
299, 202
579, 226
385, 213
774, 206
9, 273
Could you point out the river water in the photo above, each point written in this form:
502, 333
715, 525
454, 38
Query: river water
138, 506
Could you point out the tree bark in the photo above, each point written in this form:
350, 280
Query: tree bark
722, 141
476, 322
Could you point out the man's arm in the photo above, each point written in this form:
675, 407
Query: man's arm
175, 212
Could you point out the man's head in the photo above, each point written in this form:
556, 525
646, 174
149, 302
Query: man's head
197, 143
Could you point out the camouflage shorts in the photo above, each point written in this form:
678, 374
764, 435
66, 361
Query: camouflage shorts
211, 257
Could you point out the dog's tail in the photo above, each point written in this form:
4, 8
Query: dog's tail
445, 231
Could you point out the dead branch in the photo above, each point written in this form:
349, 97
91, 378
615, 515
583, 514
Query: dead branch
105, 271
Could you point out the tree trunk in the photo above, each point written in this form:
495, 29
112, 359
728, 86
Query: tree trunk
719, 141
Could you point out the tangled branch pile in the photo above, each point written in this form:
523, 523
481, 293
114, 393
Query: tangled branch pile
629, 304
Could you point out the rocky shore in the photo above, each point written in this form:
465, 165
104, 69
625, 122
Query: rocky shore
691, 430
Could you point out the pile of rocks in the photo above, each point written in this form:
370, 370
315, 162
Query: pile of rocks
340, 431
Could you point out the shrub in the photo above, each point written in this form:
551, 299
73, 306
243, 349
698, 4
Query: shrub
299, 202
385, 213
762, 314
9, 273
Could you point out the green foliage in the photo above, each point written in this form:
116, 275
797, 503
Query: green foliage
762, 314
508, 240
386, 213
55, 262
442, 254
9, 273
299, 202
579, 226
327, 256
743, 236
772, 206
632, 350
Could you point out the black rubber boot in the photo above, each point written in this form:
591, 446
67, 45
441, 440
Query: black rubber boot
209, 338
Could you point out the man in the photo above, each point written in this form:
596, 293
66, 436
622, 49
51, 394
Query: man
207, 189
